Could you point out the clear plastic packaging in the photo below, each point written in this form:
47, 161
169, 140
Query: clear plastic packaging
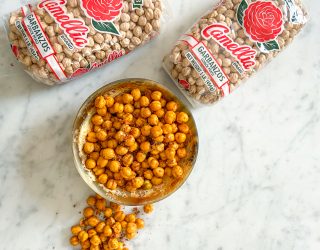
229, 43
57, 41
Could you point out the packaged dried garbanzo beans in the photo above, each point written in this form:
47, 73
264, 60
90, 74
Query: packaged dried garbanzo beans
57, 40
229, 43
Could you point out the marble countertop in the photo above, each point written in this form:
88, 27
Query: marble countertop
256, 182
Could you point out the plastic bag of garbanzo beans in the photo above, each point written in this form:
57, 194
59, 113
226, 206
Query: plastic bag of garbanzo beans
57, 40
229, 43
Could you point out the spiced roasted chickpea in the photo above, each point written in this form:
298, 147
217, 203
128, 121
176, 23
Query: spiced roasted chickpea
156, 131
172, 106
108, 153
170, 117
153, 120
88, 147
182, 117
148, 208
155, 106
144, 101
180, 137
145, 146
136, 94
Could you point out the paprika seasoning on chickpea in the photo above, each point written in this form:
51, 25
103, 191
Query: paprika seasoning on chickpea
135, 157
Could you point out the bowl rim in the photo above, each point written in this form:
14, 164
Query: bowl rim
80, 166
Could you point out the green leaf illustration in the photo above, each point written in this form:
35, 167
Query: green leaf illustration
268, 46
240, 13
106, 27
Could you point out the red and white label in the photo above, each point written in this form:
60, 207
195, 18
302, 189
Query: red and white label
34, 29
244, 54
76, 29
206, 65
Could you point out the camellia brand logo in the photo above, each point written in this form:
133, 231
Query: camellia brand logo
74, 28
243, 53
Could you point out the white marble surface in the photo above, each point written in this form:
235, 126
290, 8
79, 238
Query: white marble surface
255, 185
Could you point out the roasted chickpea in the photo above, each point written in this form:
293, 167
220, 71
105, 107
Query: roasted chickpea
163, 102
91, 232
124, 224
126, 172
184, 128
88, 147
125, 128
93, 221
119, 216
83, 236
108, 153
90, 163
102, 112
129, 141
180, 137
160, 113
101, 135
91, 137
100, 227
130, 218
170, 153
130, 236
148, 208
107, 125
131, 227
145, 112
148, 174
127, 160
144, 101
140, 223
108, 212
147, 185
182, 152
107, 231
103, 178
113, 243
120, 136
153, 120
88, 212
116, 125
136, 94
128, 108
170, 117
112, 144
156, 131
100, 102
182, 117
127, 98
97, 120
141, 156
74, 241
153, 162
156, 181
169, 138
167, 129
109, 101
177, 171
117, 228
172, 106
135, 166
115, 207
146, 130
137, 182
145, 146
101, 204
91, 201
120, 150
75, 230
112, 184
158, 172
102, 163
94, 156
140, 122
86, 244
155, 106
95, 240
134, 147
135, 132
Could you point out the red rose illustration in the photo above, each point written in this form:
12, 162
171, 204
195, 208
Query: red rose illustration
263, 21
102, 10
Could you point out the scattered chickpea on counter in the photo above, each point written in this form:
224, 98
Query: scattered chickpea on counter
104, 226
